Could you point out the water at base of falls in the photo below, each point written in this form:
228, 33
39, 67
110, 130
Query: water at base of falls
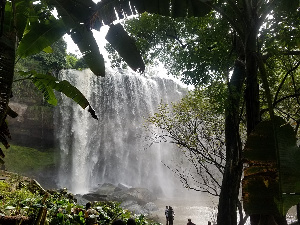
112, 149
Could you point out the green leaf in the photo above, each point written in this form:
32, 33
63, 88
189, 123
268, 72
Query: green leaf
47, 91
88, 47
22, 13
47, 83
46, 80
40, 36
73, 12
125, 46
267, 184
48, 49
288, 6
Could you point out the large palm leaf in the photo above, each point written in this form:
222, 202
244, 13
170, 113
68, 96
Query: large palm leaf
271, 184
46, 83
40, 35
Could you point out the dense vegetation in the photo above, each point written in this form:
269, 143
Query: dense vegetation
245, 54
23, 201
255, 56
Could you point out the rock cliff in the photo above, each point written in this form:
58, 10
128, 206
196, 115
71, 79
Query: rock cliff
34, 125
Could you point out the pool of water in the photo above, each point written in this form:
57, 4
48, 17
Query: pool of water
199, 207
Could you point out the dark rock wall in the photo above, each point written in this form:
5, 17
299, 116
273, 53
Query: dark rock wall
34, 125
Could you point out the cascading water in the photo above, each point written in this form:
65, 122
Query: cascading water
111, 150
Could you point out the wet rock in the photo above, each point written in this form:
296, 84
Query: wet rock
137, 209
105, 189
126, 204
124, 186
150, 206
142, 194
94, 197
134, 207
137, 200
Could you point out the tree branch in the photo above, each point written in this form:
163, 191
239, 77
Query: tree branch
283, 80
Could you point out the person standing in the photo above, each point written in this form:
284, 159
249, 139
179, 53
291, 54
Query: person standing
171, 215
166, 214
190, 222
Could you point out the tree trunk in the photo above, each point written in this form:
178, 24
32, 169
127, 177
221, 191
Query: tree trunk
227, 208
252, 89
253, 117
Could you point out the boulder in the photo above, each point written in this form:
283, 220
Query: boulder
105, 189
124, 186
128, 203
137, 209
94, 197
140, 195
150, 206
134, 207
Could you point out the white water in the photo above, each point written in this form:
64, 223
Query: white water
111, 150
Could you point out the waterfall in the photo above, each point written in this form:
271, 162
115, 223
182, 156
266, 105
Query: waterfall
112, 149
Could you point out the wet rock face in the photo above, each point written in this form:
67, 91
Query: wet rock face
137, 200
121, 193
33, 127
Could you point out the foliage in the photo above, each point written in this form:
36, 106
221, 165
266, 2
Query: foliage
190, 48
263, 37
245, 18
20, 197
22, 159
283, 76
74, 63
45, 62
187, 47
272, 178
47, 83
196, 128
51, 61
37, 68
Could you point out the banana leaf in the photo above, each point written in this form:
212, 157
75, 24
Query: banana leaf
41, 35
271, 181
74, 15
46, 83
125, 46
90, 51
73, 12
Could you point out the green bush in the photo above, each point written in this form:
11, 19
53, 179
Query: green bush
20, 197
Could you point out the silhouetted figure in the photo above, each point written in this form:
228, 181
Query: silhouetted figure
88, 206
171, 215
190, 222
131, 221
166, 214
118, 222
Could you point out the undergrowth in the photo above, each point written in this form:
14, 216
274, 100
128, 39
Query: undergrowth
25, 201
